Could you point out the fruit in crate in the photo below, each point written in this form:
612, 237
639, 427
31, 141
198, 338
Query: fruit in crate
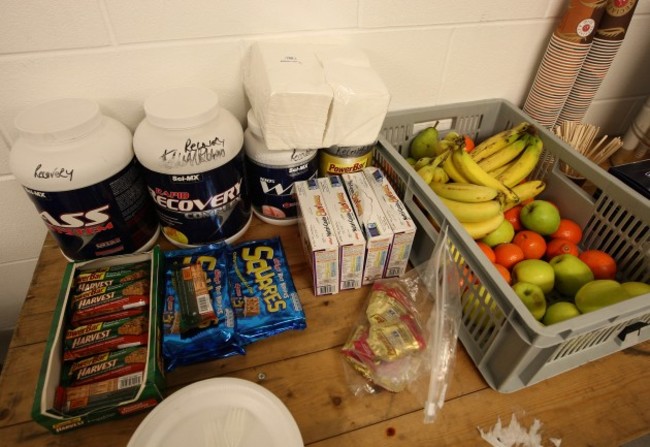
532, 244
424, 144
556, 247
601, 264
508, 254
540, 216
501, 235
464, 175
533, 297
599, 293
535, 271
570, 274
636, 288
512, 216
560, 311
568, 230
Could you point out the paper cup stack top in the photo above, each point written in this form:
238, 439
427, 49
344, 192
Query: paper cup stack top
607, 40
564, 57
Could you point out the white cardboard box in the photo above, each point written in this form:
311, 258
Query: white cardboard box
375, 226
399, 219
352, 243
318, 239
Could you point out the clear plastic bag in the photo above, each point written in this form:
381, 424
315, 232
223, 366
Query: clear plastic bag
405, 340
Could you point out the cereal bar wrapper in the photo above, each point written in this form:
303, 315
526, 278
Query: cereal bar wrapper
262, 291
216, 337
387, 345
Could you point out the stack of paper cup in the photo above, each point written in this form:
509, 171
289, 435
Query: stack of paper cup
604, 47
566, 52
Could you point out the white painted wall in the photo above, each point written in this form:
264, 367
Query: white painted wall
118, 51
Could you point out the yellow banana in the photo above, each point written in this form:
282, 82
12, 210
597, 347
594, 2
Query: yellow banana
422, 162
472, 212
499, 140
451, 170
478, 230
496, 172
464, 192
524, 164
439, 175
475, 174
525, 191
505, 155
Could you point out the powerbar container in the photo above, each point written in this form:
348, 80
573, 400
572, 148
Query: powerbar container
317, 235
352, 243
399, 219
374, 225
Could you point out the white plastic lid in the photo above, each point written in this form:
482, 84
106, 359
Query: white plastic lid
59, 120
182, 107
280, 159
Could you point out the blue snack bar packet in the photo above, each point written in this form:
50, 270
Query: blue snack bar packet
216, 338
262, 293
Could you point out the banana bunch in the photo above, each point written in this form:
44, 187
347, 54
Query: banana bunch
479, 186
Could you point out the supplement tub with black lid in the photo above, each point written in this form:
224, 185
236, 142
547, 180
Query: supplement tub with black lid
191, 150
78, 168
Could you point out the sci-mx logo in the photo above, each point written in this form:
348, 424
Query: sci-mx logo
190, 178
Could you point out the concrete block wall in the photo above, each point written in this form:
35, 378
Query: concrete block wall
119, 51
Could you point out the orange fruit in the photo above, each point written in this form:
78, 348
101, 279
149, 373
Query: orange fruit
531, 243
469, 143
485, 248
504, 272
602, 265
568, 230
557, 247
512, 215
508, 254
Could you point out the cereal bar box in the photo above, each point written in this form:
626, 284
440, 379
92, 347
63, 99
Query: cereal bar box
107, 365
352, 243
318, 239
399, 219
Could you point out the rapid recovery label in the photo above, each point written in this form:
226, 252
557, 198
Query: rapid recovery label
201, 208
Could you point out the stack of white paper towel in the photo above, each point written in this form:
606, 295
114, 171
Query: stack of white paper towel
314, 96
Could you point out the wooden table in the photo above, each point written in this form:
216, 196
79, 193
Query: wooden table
603, 403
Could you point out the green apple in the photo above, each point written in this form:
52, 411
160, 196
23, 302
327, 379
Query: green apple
636, 288
424, 144
503, 234
533, 297
600, 293
560, 311
540, 216
570, 274
534, 271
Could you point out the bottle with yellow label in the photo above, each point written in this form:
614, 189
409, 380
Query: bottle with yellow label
337, 160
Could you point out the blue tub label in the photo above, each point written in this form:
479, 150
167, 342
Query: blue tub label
196, 209
271, 188
115, 216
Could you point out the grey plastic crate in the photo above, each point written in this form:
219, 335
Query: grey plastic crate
510, 348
